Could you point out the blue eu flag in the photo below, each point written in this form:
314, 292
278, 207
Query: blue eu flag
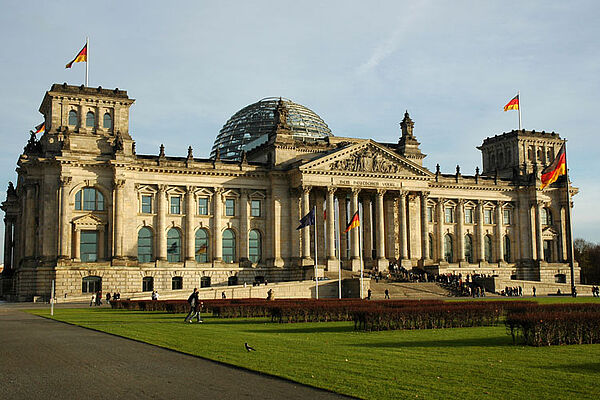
307, 220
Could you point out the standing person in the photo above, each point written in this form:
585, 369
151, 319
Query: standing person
99, 298
533, 288
108, 297
93, 299
387, 294
194, 307
223, 295
369, 294
154, 295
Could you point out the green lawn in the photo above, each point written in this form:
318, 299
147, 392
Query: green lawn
451, 363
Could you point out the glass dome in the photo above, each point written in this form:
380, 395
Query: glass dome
251, 126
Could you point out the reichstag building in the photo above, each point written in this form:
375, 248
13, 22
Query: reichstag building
90, 213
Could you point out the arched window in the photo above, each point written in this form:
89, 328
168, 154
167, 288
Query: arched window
469, 248
107, 121
145, 245
254, 246
546, 216
89, 199
448, 251
173, 245
177, 283
202, 245
487, 248
430, 247
90, 119
147, 284
506, 248
88, 245
228, 246
73, 118
91, 284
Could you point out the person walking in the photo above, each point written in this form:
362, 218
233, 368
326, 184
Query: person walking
194, 307
533, 288
93, 300
369, 294
387, 294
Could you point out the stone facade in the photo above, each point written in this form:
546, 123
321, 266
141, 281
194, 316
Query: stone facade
88, 211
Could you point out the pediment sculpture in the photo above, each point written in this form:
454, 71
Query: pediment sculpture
366, 160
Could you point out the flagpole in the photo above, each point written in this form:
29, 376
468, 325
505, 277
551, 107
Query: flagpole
336, 216
316, 257
519, 97
87, 60
360, 249
570, 225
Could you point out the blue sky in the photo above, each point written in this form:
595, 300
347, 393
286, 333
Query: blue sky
359, 65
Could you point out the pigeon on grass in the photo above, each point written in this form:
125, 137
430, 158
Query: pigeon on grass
248, 347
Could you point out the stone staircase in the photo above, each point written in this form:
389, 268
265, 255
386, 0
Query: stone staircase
408, 291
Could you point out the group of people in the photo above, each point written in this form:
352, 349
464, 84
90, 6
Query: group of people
595, 291
96, 299
512, 291
154, 295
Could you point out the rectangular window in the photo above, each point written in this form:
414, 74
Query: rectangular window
468, 215
429, 214
487, 216
230, 207
506, 214
203, 206
147, 204
88, 245
175, 204
449, 215
255, 208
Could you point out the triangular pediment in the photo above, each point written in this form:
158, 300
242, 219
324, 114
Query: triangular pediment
88, 220
367, 157
549, 232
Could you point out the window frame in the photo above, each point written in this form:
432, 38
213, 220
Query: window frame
488, 216
255, 244
82, 200
147, 284
88, 119
430, 213
230, 209
175, 207
229, 257
201, 200
449, 215
201, 257
146, 196
73, 118
177, 283
150, 256
256, 211
174, 257
507, 216
84, 256
468, 215
110, 120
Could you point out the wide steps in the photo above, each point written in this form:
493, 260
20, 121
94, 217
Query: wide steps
408, 291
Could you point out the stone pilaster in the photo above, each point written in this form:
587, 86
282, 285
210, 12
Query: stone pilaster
403, 226
460, 230
161, 226
367, 226
424, 228
500, 231
65, 226
190, 242
538, 230
342, 226
479, 229
217, 217
244, 225
306, 236
118, 208
440, 230
354, 233
274, 226
382, 263
30, 209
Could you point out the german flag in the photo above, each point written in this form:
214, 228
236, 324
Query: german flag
80, 57
40, 128
558, 167
513, 104
354, 222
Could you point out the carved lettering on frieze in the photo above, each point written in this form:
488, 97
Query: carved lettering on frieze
366, 160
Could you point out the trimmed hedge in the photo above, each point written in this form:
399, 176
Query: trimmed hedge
555, 324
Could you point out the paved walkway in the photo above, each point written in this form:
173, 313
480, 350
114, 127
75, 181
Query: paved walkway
44, 359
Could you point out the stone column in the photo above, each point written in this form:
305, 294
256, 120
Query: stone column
275, 228
479, 226
319, 220
538, 230
76, 246
217, 216
190, 240
403, 226
563, 231
500, 231
161, 226
244, 224
332, 263
440, 229
424, 226
381, 234
460, 224
354, 233
30, 208
342, 226
118, 218
306, 231
295, 245
65, 226
367, 224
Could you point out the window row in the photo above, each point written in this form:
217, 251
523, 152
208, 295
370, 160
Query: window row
469, 215
90, 119
175, 206
201, 246
93, 284
448, 250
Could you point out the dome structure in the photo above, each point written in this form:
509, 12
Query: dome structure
251, 126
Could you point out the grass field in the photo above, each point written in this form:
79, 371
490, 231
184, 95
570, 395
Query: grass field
467, 363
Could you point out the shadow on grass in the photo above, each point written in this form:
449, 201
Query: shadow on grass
496, 341
312, 329
584, 368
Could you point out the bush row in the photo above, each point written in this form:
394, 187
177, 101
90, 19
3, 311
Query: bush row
555, 324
